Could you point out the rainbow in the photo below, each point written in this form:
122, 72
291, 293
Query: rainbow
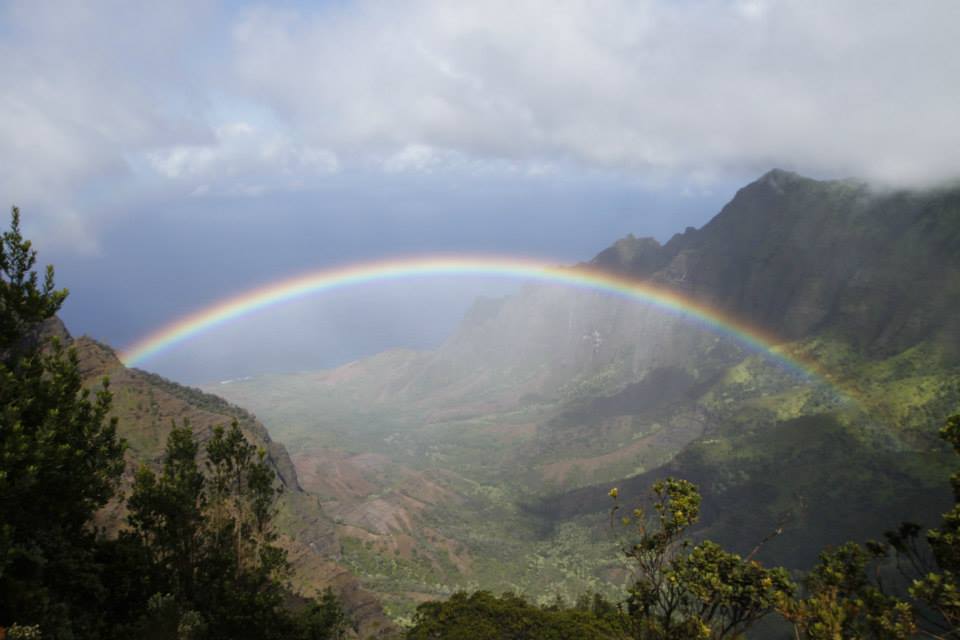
518, 268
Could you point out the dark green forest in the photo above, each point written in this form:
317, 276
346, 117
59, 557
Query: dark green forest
198, 559
902, 587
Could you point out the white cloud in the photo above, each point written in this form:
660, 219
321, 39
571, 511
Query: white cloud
239, 156
414, 157
85, 87
106, 102
860, 88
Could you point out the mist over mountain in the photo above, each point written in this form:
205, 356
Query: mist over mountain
487, 463
509, 320
541, 401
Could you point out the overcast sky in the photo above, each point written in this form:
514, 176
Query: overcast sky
168, 153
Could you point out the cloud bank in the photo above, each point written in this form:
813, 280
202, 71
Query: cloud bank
103, 103
693, 88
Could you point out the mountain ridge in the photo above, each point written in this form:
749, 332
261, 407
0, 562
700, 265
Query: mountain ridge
146, 405
540, 402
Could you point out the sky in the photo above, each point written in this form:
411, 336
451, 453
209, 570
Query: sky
166, 155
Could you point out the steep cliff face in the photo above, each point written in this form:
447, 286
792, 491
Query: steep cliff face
543, 341
146, 405
541, 401
849, 273
868, 280
793, 256
800, 256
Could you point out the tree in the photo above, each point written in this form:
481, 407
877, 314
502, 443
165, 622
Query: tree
932, 570
60, 458
686, 591
199, 561
242, 497
905, 587
938, 589
483, 616
842, 601
323, 619
214, 570
167, 515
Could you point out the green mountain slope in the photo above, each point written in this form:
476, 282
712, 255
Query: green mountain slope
517, 426
147, 404
801, 256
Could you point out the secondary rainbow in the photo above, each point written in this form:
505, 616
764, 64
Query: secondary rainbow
426, 266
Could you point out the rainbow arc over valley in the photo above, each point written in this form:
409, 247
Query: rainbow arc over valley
581, 277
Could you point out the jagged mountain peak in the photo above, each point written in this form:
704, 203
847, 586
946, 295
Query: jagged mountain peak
780, 178
636, 255
556, 388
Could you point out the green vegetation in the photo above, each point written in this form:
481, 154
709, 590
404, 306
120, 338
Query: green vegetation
197, 560
908, 586
521, 487
205, 546
481, 467
901, 588
692, 591
483, 616
59, 458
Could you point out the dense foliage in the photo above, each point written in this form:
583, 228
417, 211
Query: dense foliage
59, 458
198, 560
692, 591
905, 587
207, 540
483, 616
